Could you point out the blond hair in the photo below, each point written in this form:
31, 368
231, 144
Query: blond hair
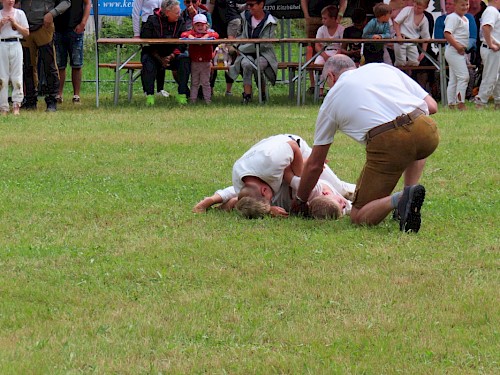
323, 207
422, 2
252, 208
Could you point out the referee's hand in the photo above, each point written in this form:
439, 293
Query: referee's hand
299, 208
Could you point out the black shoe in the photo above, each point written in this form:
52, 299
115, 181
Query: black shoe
409, 208
52, 107
28, 106
247, 98
395, 215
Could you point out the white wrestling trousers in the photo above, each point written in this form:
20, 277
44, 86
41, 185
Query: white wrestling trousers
459, 75
406, 54
11, 69
490, 84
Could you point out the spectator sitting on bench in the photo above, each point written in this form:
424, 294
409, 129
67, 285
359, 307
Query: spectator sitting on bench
257, 24
353, 50
377, 28
331, 29
165, 23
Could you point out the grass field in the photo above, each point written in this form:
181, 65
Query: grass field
104, 269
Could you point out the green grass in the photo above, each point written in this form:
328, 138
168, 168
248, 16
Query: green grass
104, 269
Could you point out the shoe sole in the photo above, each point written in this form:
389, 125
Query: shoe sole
413, 219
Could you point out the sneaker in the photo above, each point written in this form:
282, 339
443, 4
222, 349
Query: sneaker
229, 93
181, 99
247, 98
479, 104
452, 106
150, 100
52, 107
409, 208
15, 108
76, 99
461, 106
59, 99
4, 113
163, 93
497, 106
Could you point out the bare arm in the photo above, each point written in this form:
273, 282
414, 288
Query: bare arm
488, 39
342, 8
397, 29
304, 5
297, 163
80, 28
62, 7
453, 42
431, 104
312, 171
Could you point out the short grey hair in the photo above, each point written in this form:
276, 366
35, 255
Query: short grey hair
337, 64
169, 4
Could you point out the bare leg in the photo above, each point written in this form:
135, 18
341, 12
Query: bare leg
62, 79
247, 89
373, 212
76, 79
413, 172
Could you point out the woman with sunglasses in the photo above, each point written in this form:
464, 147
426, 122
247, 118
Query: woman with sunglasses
257, 24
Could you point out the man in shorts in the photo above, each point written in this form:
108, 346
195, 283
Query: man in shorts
382, 108
68, 38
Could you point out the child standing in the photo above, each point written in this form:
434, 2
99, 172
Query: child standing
456, 33
13, 27
411, 23
331, 29
201, 57
490, 53
377, 28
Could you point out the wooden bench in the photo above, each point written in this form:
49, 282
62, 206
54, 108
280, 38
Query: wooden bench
130, 68
133, 72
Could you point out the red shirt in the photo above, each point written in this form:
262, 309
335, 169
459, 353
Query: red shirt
200, 52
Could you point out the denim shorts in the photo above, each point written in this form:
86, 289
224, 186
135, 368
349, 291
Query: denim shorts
69, 44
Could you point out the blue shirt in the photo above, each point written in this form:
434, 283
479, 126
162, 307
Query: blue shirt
439, 29
377, 28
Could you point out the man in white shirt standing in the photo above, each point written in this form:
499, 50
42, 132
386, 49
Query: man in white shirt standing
382, 108
490, 47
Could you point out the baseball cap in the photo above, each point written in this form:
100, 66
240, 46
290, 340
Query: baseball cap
200, 18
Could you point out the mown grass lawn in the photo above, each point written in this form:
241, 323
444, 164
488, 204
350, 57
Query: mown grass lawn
104, 269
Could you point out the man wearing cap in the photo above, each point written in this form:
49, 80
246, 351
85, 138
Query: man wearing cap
382, 108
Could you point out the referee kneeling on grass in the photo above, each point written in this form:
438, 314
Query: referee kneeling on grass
382, 108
